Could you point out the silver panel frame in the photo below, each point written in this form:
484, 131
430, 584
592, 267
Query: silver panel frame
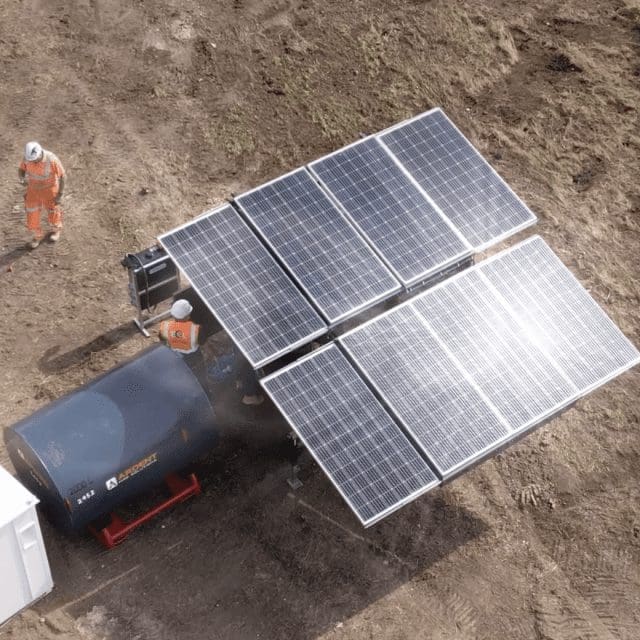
383, 514
277, 354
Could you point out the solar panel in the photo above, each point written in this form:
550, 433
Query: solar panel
370, 461
458, 179
468, 365
328, 258
243, 286
559, 315
516, 377
395, 216
428, 392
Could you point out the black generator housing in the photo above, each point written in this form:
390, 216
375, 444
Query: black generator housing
153, 277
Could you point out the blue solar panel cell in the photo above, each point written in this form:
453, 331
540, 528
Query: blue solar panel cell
321, 250
395, 216
458, 179
243, 285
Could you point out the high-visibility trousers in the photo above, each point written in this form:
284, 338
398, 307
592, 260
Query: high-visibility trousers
35, 203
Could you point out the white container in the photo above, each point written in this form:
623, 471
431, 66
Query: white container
24, 569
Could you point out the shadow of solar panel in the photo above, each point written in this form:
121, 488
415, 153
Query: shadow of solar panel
321, 250
243, 286
458, 179
559, 314
355, 441
397, 219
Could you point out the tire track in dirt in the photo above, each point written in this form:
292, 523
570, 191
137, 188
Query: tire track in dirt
567, 614
609, 582
557, 619
605, 587
463, 615
561, 611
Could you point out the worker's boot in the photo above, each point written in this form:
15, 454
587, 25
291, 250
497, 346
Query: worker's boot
54, 236
252, 400
33, 244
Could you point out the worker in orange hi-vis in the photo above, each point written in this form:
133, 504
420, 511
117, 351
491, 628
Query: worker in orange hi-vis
181, 334
44, 177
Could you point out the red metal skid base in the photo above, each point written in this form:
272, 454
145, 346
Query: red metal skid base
114, 533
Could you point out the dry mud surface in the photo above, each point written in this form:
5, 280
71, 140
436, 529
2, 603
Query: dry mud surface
161, 109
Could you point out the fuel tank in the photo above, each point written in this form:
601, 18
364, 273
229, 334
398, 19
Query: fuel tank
114, 438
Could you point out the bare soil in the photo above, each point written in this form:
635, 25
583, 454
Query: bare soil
161, 109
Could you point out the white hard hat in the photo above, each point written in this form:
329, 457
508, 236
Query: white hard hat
181, 309
32, 151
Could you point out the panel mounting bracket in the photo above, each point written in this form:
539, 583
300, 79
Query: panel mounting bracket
294, 481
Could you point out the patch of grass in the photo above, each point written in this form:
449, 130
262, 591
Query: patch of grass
232, 134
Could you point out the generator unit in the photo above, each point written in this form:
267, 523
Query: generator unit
153, 278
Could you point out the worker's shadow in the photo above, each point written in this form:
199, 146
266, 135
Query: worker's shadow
54, 362
8, 258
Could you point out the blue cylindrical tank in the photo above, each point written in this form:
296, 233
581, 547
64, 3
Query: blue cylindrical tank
114, 438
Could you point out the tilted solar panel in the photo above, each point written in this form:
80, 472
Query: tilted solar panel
321, 250
397, 219
243, 286
517, 378
458, 179
472, 363
559, 314
427, 391
370, 461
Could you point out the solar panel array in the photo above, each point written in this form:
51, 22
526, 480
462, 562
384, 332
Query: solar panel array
395, 216
243, 285
464, 368
458, 179
323, 252
351, 435
418, 394
347, 240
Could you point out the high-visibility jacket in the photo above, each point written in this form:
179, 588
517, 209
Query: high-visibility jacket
180, 335
43, 176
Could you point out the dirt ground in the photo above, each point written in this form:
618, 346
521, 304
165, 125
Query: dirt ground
159, 110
